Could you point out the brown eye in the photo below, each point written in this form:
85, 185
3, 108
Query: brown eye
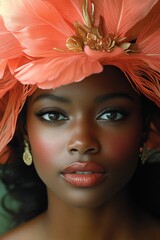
111, 116
53, 116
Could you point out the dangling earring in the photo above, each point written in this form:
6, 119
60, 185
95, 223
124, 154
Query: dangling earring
27, 156
143, 154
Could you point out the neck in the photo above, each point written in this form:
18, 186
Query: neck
103, 222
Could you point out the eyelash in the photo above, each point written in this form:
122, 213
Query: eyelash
113, 115
57, 115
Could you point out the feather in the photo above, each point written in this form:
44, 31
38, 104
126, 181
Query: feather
9, 46
38, 26
58, 71
3, 64
142, 78
150, 34
148, 43
122, 15
138, 28
26, 13
6, 84
9, 112
73, 7
39, 41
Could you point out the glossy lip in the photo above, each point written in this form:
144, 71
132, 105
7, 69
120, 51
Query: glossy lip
84, 174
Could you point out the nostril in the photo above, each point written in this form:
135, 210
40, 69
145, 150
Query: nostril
83, 147
92, 150
73, 150
83, 150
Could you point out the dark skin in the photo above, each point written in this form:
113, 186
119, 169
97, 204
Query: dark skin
97, 120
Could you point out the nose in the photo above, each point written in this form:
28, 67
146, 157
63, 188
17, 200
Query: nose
83, 141
83, 147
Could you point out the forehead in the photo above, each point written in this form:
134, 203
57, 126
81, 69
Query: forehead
111, 80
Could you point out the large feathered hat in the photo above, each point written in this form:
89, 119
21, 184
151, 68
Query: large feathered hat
46, 44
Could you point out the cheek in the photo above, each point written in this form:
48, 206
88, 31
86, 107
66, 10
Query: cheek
46, 152
44, 148
123, 146
45, 144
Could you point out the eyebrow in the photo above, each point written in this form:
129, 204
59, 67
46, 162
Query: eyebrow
110, 96
52, 97
98, 99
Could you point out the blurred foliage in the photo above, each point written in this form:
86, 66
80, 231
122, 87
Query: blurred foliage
5, 219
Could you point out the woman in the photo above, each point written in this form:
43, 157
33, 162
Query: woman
86, 138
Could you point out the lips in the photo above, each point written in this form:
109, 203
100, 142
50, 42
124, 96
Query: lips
84, 174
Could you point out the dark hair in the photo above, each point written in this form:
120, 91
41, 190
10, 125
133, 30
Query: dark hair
22, 182
24, 185
145, 185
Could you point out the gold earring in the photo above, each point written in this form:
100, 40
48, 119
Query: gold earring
143, 154
27, 156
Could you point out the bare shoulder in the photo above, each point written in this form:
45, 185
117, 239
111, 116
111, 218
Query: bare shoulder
30, 230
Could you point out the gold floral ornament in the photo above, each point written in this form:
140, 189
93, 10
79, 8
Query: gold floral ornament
92, 36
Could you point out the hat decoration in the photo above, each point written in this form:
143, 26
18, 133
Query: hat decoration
46, 44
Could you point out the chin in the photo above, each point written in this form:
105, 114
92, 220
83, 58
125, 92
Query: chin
85, 198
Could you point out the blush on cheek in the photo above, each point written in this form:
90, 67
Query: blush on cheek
123, 149
43, 149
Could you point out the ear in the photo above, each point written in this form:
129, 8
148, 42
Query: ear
146, 127
153, 141
156, 119
148, 113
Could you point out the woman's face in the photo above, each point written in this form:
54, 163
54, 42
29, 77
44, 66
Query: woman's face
85, 137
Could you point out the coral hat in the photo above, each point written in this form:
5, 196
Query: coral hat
46, 44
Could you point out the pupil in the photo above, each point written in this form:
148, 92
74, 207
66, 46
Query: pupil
53, 116
112, 115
